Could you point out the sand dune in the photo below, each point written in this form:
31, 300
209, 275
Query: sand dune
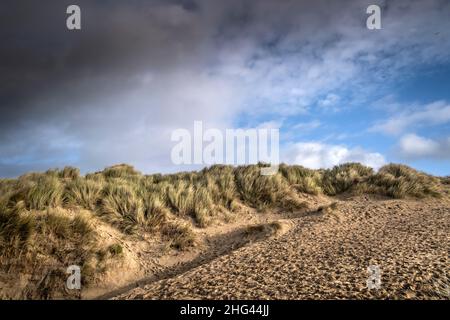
326, 255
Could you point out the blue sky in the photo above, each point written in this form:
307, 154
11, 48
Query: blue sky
115, 91
350, 126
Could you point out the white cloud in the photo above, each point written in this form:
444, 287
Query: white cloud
274, 124
413, 146
329, 101
436, 113
318, 155
306, 126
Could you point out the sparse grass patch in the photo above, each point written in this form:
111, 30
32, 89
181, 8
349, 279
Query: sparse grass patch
263, 230
179, 234
115, 249
327, 209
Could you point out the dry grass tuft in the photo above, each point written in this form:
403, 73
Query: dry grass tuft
179, 234
83, 192
120, 204
327, 209
344, 178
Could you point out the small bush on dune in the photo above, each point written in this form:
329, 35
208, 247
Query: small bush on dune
43, 244
115, 249
69, 173
445, 180
329, 208
257, 190
62, 237
120, 171
400, 181
179, 234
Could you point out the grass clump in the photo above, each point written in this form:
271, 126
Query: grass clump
39, 245
115, 249
220, 181
329, 208
83, 192
120, 171
16, 229
302, 179
45, 192
264, 192
179, 234
400, 181
263, 230
121, 205
180, 197
69, 173
344, 177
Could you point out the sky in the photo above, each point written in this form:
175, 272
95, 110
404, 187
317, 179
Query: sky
114, 91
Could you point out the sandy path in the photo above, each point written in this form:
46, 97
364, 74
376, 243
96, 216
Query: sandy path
326, 256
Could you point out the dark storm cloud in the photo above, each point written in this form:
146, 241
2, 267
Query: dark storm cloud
40, 56
113, 91
55, 82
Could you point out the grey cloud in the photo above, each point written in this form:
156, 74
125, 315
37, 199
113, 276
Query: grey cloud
113, 91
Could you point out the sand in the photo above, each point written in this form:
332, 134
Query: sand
321, 255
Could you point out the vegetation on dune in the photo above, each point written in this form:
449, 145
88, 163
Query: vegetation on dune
445, 180
262, 192
129, 200
302, 179
47, 218
39, 245
344, 177
400, 181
